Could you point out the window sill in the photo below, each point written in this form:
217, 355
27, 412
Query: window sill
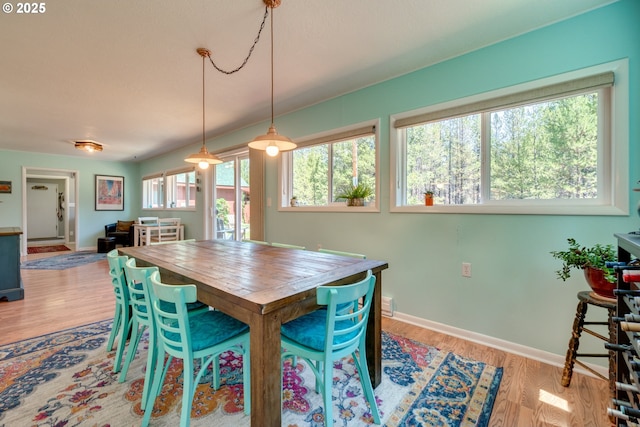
334, 208
190, 209
512, 210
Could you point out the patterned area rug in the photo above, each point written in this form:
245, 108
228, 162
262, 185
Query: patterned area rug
65, 379
45, 249
62, 262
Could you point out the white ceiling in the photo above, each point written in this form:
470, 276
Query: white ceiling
126, 73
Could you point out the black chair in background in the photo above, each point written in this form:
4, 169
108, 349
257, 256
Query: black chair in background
122, 231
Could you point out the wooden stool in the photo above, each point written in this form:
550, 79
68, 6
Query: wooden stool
586, 298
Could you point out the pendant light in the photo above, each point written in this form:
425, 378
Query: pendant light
272, 142
203, 158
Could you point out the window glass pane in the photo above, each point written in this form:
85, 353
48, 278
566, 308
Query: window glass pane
225, 200
245, 229
320, 172
152, 194
444, 157
354, 162
181, 189
311, 175
546, 151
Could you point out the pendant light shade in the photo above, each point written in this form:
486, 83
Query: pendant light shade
203, 158
272, 142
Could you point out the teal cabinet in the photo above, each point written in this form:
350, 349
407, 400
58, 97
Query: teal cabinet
10, 280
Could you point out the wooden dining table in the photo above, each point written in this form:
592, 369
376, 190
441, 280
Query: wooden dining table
264, 286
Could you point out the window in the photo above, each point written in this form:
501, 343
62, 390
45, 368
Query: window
323, 167
170, 190
153, 192
181, 189
546, 148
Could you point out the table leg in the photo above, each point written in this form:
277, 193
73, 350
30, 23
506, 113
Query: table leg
266, 388
136, 236
374, 334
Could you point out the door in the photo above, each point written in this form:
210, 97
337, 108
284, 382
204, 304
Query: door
42, 212
232, 206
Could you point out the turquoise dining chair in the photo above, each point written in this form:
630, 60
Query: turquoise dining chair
325, 336
121, 318
142, 319
287, 245
258, 242
202, 336
170, 242
342, 253
347, 254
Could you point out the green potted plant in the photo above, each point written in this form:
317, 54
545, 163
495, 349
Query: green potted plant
356, 195
592, 260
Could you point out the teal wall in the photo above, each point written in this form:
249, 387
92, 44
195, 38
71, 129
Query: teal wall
90, 222
513, 294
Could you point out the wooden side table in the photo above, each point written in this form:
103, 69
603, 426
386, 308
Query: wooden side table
587, 298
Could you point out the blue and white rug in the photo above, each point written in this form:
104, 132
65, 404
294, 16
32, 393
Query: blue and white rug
62, 262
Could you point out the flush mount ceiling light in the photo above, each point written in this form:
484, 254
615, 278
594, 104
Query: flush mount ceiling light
203, 158
88, 145
272, 142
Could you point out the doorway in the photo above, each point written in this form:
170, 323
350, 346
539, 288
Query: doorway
49, 214
42, 211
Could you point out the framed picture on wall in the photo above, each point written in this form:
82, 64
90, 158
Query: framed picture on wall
109, 193
5, 186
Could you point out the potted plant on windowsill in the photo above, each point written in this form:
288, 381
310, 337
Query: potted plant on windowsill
356, 195
428, 198
592, 260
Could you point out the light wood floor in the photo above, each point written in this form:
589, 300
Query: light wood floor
530, 393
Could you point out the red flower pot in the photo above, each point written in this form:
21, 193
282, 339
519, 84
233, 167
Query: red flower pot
599, 285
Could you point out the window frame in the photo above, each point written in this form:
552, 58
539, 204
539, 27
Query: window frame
285, 169
163, 176
612, 154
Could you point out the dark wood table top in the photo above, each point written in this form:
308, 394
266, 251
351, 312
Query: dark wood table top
258, 277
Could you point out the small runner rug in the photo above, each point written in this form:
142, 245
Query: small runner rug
65, 379
62, 262
45, 249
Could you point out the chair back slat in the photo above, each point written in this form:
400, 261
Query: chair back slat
342, 253
346, 328
137, 277
116, 272
287, 246
171, 315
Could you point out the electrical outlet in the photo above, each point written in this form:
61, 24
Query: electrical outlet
466, 269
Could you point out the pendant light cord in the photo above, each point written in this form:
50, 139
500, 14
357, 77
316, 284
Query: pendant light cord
271, 20
255, 42
203, 101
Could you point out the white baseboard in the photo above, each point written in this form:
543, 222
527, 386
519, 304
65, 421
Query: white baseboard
506, 346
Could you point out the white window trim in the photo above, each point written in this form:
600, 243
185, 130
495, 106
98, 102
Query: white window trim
284, 184
617, 165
